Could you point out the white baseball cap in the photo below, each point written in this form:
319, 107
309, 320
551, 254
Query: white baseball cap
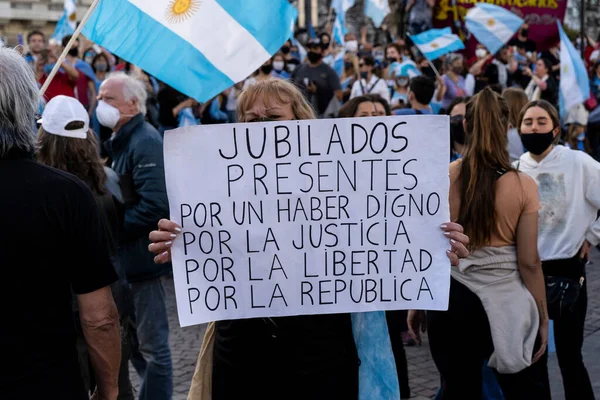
62, 110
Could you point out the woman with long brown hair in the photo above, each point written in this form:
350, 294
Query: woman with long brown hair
65, 142
295, 357
497, 305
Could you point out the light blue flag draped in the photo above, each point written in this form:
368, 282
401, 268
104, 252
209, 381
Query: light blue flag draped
338, 62
199, 47
574, 81
377, 375
434, 43
340, 7
338, 30
67, 22
492, 26
377, 10
301, 50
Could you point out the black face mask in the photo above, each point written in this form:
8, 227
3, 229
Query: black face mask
524, 32
285, 50
348, 65
537, 143
314, 57
266, 69
428, 71
391, 60
73, 52
324, 45
457, 130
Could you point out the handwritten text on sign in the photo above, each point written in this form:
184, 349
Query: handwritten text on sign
309, 217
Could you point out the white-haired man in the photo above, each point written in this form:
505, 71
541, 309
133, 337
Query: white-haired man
52, 244
136, 151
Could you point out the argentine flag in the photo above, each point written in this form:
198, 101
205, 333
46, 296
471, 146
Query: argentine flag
434, 43
67, 23
377, 10
338, 30
492, 26
340, 7
199, 47
574, 81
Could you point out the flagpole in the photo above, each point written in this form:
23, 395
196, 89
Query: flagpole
581, 30
68, 47
433, 68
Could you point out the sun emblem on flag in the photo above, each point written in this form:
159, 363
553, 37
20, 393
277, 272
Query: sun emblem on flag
491, 22
434, 45
73, 17
565, 69
180, 10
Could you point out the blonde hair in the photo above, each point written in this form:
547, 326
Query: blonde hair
278, 90
516, 100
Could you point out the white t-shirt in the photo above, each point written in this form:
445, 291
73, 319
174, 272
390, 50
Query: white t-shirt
569, 187
374, 86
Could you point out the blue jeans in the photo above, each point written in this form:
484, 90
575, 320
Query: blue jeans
152, 355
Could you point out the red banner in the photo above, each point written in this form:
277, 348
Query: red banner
540, 14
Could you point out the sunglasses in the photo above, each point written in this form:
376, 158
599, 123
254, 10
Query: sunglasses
361, 65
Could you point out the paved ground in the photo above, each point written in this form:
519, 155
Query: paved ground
424, 379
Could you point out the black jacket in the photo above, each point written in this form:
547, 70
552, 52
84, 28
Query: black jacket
137, 157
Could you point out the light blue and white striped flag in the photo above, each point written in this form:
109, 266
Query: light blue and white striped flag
377, 10
574, 81
340, 7
199, 47
434, 43
492, 26
67, 23
338, 30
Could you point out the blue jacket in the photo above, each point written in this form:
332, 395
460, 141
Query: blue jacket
137, 157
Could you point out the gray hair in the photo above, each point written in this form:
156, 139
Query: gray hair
132, 89
19, 103
452, 58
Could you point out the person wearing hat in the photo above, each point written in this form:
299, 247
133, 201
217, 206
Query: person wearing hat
66, 142
318, 81
52, 244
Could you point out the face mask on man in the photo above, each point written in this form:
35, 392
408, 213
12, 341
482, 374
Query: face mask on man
364, 74
266, 69
278, 65
524, 32
48, 68
537, 143
402, 82
73, 52
480, 53
108, 115
314, 57
285, 49
101, 67
351, 46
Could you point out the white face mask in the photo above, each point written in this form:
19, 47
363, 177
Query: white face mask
291, 67
351, 46
480, 53
108, 115
278, 65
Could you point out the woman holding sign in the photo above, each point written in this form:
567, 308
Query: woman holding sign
298, 357
497, 294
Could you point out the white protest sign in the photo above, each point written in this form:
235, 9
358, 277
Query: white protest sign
309, 217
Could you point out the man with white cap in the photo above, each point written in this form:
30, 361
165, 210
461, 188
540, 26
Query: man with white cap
136, 150
51, 244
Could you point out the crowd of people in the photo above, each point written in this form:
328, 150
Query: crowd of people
524, 201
